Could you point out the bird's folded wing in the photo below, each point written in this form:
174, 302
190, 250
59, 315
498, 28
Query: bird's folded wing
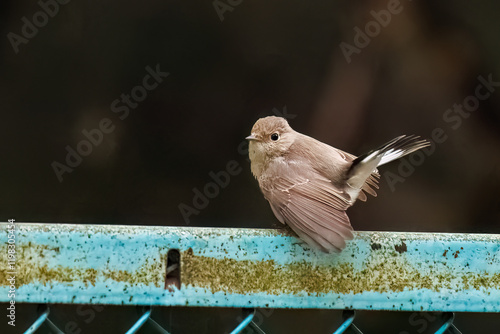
333, 164
313, 208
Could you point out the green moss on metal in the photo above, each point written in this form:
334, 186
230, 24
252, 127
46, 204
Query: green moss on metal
391, 275
30, 268
44, 275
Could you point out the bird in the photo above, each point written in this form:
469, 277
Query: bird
310, 185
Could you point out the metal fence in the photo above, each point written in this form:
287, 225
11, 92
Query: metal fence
247, 322
246, 268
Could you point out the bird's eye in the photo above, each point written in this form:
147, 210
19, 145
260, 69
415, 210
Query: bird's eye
275, 136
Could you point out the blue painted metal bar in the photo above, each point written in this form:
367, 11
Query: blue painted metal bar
146, 317
227, 267
38, 322
346, 324
243, 324
448, 325
142, 320
448, 321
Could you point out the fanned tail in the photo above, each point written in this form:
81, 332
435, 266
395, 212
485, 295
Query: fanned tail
363, 166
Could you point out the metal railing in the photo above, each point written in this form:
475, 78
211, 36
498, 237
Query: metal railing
248, 268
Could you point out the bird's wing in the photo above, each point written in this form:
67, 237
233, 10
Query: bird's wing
311, 205
333, 164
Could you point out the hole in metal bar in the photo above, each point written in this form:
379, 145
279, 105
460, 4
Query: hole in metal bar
173, 271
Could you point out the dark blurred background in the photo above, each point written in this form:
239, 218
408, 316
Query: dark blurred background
230, 63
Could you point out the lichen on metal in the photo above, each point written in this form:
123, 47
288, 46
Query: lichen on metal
228, 267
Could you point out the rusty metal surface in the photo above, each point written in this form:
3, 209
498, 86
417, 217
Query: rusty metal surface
62, 263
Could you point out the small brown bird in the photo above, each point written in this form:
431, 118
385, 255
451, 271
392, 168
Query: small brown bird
309, 184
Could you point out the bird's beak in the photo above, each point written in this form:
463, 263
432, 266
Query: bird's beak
251, 137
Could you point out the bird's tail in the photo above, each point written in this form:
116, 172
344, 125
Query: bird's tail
363, 166
395, 149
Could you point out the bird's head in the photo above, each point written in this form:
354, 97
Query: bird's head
271, 137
